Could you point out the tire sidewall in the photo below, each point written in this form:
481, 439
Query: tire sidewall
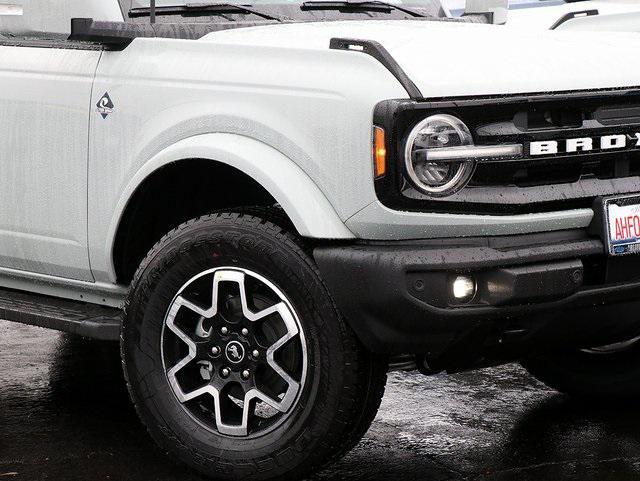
176, 261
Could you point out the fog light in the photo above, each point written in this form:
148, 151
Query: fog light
463, 288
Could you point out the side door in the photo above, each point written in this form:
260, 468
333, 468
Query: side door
45, 94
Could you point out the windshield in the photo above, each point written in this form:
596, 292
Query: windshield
243, 12
171, 3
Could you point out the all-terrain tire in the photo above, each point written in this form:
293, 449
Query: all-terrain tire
344, 383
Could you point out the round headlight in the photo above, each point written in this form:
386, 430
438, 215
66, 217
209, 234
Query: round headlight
433, 174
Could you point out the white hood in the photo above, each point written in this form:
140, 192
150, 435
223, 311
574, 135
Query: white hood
460, 59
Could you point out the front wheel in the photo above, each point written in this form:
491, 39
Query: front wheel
611, 371
236, 357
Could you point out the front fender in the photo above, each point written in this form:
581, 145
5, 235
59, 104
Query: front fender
297, 194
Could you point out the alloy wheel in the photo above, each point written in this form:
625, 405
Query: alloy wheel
234, 352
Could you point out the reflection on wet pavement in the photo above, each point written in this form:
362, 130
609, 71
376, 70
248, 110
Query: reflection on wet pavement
65, 415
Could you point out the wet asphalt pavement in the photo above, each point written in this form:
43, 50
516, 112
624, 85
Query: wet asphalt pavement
65, 416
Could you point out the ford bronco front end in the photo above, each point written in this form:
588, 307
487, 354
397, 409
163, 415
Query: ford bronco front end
465, 300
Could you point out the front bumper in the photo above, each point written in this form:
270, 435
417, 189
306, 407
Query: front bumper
550, 287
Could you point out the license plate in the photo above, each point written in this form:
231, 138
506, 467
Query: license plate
622, 222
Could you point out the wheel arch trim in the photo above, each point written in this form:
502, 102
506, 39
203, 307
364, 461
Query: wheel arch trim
302, 200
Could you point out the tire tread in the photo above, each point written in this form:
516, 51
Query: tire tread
365, 374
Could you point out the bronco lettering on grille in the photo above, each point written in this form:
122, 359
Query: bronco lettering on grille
584, 144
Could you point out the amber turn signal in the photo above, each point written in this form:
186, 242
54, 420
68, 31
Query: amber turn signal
379, 152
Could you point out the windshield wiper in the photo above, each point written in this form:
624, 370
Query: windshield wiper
357, 5
200, 8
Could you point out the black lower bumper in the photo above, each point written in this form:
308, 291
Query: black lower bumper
549, 287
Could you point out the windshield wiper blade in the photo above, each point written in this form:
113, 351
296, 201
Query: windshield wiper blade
204, 8
358, 5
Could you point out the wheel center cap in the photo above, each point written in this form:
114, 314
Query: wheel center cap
234, 352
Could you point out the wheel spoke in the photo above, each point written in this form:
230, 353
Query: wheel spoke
258, 394
246, 311
232, 429
182, 302
293, 385
185, 397
256, 316
170, 323
218, 277
292, 331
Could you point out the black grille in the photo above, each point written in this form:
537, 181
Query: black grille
558, 171
534, 183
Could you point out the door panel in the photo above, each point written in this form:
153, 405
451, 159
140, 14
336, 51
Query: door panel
45, 98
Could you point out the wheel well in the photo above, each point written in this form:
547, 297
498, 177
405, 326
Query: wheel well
174, 194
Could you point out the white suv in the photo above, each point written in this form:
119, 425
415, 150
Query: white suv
268, 204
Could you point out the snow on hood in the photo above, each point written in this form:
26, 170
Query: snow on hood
459, 59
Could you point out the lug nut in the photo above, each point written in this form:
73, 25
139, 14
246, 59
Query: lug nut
255, 353
245, 331
224, 331
245, 374
225, 372
215, 350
